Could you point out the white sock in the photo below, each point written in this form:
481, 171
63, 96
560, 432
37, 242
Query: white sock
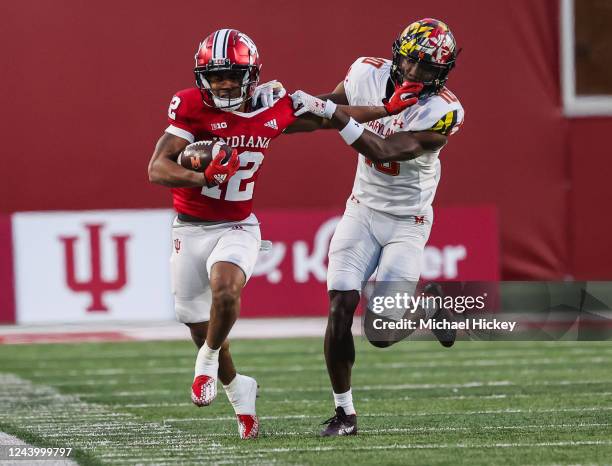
207, 362
241, 393
345, 401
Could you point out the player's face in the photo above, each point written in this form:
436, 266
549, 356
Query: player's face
417, 72
226, 84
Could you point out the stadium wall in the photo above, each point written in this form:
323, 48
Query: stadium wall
86, 87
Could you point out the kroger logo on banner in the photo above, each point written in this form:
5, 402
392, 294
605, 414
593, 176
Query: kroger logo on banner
290, 279
84, 266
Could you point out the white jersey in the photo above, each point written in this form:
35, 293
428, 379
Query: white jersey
406, 187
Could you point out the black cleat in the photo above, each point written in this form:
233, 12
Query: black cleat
340, 424
446, 337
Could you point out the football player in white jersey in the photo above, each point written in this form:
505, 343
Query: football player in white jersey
388, 215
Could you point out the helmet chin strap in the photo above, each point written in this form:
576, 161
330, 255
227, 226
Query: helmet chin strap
227, 105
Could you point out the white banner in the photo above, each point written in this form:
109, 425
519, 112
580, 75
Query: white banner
93, 265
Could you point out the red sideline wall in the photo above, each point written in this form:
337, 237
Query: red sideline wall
86, 87
7, 289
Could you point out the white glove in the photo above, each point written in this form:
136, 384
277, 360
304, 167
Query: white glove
268, 93
304, 102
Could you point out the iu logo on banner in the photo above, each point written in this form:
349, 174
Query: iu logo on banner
96, 286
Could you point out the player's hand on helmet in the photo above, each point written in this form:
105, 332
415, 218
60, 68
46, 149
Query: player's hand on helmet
306, 103
219, 172
267, 94
404, 96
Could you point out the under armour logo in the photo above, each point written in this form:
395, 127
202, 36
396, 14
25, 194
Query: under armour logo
419, 220
397, 122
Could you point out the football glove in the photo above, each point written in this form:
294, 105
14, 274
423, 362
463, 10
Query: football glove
267, 94
219, 172
404, 96
304, 103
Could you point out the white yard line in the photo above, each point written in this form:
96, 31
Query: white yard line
97, 431
320, 367
389, 387
170, 392
408, 414
222, 452
414, 352
435, 446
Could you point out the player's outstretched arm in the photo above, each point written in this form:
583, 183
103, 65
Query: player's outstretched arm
404, 145
399, 146
163, 168
315, 113
310, 122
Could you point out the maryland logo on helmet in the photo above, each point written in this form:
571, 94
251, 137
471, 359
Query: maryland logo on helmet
428, 41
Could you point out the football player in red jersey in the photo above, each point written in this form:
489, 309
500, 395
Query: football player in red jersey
215, 233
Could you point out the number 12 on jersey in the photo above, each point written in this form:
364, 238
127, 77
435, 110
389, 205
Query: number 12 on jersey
240, 186
388, 168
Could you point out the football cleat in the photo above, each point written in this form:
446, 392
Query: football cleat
203, 390
446, 337
340, 424
248, 426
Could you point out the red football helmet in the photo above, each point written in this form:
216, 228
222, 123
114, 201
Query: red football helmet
227, 50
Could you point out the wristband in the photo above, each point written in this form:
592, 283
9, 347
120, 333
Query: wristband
330, 108
351, 132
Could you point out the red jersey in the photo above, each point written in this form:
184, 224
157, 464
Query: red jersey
249, 133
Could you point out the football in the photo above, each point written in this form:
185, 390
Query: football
198, 155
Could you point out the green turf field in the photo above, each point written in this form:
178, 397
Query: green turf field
478, 403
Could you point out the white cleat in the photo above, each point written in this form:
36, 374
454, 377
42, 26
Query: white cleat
243, 397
